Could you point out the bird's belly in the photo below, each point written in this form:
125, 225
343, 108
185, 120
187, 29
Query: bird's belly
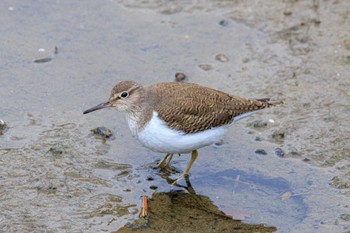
157, 136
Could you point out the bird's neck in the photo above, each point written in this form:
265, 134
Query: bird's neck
139, 113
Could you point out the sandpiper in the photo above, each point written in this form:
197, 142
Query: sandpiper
176, 117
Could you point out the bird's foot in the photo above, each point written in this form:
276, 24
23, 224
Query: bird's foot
164, 165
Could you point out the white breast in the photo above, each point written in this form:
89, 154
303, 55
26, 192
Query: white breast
157, 136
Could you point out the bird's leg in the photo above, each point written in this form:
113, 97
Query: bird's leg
170, 157
163, 163
194, 156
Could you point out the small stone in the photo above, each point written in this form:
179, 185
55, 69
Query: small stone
43, 60
3, 127
279, 152
179, 77
260, 152
149, 178
153, 187
222, 58
219, 143
205, 67
102, 132
223, 22
287, 12
306, 159
258, 138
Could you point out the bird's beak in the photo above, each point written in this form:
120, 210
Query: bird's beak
97, 107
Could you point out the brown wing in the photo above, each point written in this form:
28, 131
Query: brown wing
192, 108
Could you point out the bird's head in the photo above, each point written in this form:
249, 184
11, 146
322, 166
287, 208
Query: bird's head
126, 96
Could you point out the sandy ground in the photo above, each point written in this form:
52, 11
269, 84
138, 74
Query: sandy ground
59, 58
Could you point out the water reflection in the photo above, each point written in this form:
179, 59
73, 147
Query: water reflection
181, 211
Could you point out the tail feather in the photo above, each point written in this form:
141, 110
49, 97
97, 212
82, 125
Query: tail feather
259, 105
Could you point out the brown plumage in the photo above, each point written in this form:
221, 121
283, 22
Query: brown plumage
192, 108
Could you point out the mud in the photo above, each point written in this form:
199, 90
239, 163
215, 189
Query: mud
59, 58
200, 216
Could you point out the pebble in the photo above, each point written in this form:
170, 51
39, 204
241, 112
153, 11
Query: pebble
153, 187
43, 60
3, 127
260, 152
279, 152
179, 77
287, 12
149, 178
103, 132
2, 124
222, 58
223, 22
205, 67
219, 143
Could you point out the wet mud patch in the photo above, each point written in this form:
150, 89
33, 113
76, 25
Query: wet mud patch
50, 178
179, 211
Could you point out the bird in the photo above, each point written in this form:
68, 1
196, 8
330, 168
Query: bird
178, 117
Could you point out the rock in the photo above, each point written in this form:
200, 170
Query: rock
279, 152
179, 77
260, 152
222, 58
103, 132
205, 67
223, 22
3, 127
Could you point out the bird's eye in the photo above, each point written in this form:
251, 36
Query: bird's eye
124, 94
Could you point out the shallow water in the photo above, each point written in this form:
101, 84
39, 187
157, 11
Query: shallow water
59, 58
